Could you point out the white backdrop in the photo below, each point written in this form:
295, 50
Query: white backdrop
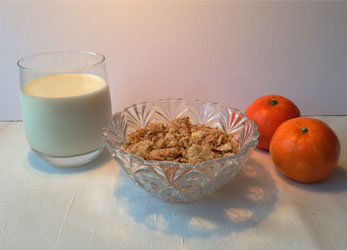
230, 53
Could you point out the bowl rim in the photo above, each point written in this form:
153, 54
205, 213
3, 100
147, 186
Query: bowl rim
252, 143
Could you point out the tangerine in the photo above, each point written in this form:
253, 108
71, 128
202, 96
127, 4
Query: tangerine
268, 113
305, 149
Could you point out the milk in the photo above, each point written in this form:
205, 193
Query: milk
64, 114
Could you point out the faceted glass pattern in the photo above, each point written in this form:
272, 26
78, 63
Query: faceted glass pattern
180, 182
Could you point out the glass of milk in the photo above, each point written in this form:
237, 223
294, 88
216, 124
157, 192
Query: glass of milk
65, 103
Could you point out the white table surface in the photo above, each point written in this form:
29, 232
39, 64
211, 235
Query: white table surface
98, 207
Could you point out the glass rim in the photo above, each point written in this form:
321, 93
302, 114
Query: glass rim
23, 67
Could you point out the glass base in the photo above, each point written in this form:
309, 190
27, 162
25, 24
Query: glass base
70, 161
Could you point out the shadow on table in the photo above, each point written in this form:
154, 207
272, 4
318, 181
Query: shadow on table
244, 202
39, 164
336, 182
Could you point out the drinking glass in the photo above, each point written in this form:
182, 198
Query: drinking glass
65, 103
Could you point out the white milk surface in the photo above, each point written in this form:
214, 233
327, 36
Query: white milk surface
64, 114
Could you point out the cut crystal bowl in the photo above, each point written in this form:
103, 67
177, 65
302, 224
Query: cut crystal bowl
180, 182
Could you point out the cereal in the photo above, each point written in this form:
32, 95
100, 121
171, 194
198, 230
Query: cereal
180, 141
